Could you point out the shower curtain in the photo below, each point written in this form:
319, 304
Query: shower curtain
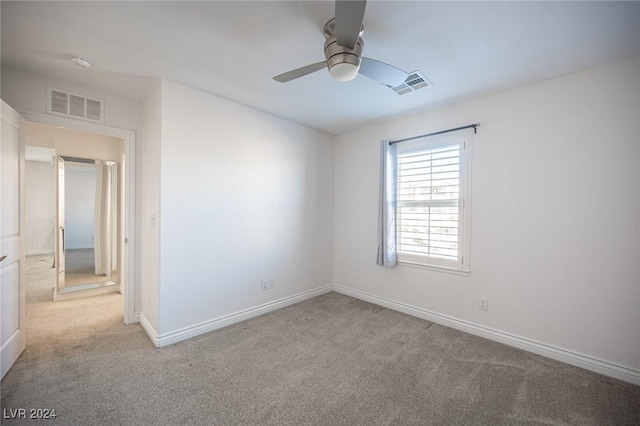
102, 220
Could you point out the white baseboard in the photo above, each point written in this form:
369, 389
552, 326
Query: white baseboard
85, 292
37, 252
148, 328
580, 360
573, 358
223, 321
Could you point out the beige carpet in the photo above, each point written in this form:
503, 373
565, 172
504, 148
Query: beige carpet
80, 268
80, 260
331, 360
40, 278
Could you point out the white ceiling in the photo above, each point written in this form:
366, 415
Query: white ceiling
232, 49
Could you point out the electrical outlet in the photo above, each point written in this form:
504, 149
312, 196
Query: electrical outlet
484, 304
267, 284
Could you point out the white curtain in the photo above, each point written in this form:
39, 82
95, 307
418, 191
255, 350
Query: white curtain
387, 205
102, 221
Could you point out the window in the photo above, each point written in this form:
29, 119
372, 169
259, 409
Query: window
433, 201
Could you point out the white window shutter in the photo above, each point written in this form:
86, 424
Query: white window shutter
432, 218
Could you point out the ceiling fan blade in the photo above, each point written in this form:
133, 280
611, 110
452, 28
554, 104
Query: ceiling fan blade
381, 72
349, 16
299, 72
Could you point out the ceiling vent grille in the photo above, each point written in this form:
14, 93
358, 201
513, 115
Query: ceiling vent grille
72, 105
415, 81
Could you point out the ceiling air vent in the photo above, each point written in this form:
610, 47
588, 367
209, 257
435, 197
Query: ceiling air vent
415, 81
72, 105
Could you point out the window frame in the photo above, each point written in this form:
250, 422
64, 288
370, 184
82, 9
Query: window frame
464, 138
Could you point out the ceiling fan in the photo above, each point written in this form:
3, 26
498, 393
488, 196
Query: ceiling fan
343, 50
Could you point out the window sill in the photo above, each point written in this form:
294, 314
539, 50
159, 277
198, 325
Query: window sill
433, 268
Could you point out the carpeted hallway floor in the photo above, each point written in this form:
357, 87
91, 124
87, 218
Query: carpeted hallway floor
331, 360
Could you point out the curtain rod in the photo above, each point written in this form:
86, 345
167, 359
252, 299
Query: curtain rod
437, 133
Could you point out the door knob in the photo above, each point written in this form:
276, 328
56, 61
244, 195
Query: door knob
2, 258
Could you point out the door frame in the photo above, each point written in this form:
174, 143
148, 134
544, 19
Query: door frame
127, 210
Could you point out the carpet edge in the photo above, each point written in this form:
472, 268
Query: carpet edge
172, 337
587, 362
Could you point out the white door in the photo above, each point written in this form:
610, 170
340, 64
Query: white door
12, 292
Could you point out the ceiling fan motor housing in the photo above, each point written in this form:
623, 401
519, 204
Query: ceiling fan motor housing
343, 63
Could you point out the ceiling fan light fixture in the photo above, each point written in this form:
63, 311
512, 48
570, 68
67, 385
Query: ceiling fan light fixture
344, 71
343, 63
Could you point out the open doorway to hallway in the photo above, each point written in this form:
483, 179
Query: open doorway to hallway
74, 217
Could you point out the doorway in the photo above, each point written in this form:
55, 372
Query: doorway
94, 155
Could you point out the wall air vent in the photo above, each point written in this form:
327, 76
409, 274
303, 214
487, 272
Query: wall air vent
415, 81
72, 105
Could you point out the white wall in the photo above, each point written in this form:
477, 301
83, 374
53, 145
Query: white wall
40, 207
555, 214
149, 207
244, 196
79, 203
